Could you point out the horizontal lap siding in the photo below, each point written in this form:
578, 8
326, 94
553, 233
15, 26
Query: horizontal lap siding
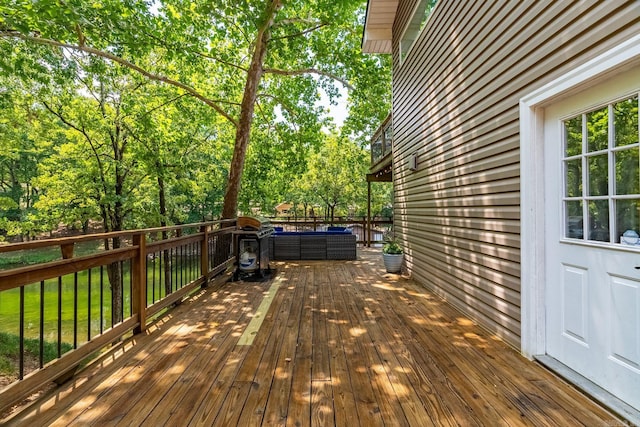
455, 105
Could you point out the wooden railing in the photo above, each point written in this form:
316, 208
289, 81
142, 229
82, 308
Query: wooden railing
358, 226
382, 141
61, 312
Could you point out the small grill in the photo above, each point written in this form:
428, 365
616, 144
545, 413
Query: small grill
251, 243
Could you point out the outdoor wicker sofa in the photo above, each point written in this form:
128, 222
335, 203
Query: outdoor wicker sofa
310, 245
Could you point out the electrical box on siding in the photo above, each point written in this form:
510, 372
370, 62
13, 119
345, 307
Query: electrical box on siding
413, 162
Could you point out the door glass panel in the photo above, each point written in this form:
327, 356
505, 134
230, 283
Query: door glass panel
598, 130
573, 136
626, 122
598, 175
574, 221
599, 220
573, 173
628, 213
601, 165
627, 171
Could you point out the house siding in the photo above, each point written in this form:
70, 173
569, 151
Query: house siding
456, 105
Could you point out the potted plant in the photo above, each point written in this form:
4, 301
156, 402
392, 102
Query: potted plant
392, 256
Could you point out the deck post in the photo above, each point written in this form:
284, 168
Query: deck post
204, 253
139, 276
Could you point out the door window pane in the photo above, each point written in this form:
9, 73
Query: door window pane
598, 130
599, 220
601, 165
598, 175
574, 221
573, 136
627, 171
626, 122
628, 215
573, 174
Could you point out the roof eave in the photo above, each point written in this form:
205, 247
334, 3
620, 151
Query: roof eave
377, 34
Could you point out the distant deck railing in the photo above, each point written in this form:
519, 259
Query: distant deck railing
358, 226
381, 142
54, 315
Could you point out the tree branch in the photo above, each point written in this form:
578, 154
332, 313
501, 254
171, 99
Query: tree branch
164, 44
222, 61
84, 133
300, 33
124, 62
279, 101
157, 107
295, 21
309, 71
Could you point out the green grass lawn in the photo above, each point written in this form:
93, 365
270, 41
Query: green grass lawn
87, 297
89, 291
88, 303
10, 347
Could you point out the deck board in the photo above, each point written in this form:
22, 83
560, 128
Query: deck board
342, 344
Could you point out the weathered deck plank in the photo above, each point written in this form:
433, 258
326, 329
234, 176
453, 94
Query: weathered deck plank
341, 344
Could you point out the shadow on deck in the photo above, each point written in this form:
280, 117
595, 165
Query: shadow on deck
339, 343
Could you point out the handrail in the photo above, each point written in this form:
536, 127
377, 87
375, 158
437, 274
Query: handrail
17, 277
130, 284
381, 141
37, 244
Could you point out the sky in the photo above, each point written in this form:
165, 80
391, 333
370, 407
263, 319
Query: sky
337, 112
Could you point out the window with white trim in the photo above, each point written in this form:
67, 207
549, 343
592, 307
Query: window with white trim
414, 27
601, 164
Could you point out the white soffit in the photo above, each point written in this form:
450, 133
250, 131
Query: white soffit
377, 26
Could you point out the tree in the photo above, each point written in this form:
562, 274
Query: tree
336, 174
27, 136
272, 48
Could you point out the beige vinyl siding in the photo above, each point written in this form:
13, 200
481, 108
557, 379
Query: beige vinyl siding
455, 104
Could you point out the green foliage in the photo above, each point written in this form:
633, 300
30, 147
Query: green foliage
107, 142
335, 176
392, 247
10, 351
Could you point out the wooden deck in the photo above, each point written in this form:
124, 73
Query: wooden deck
340, 344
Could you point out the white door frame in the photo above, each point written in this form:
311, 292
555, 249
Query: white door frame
532, 197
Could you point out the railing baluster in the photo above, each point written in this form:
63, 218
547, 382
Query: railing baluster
153, 280
131, 272
161, 278
121, 284
59, 316
41, 349
75, 310
101, 299
89, 305
174, 268
21, 358
195, 257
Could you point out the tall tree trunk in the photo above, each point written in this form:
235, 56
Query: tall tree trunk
243, 132
114, 273
163, 222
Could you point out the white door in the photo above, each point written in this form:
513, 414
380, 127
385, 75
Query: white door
592, 196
